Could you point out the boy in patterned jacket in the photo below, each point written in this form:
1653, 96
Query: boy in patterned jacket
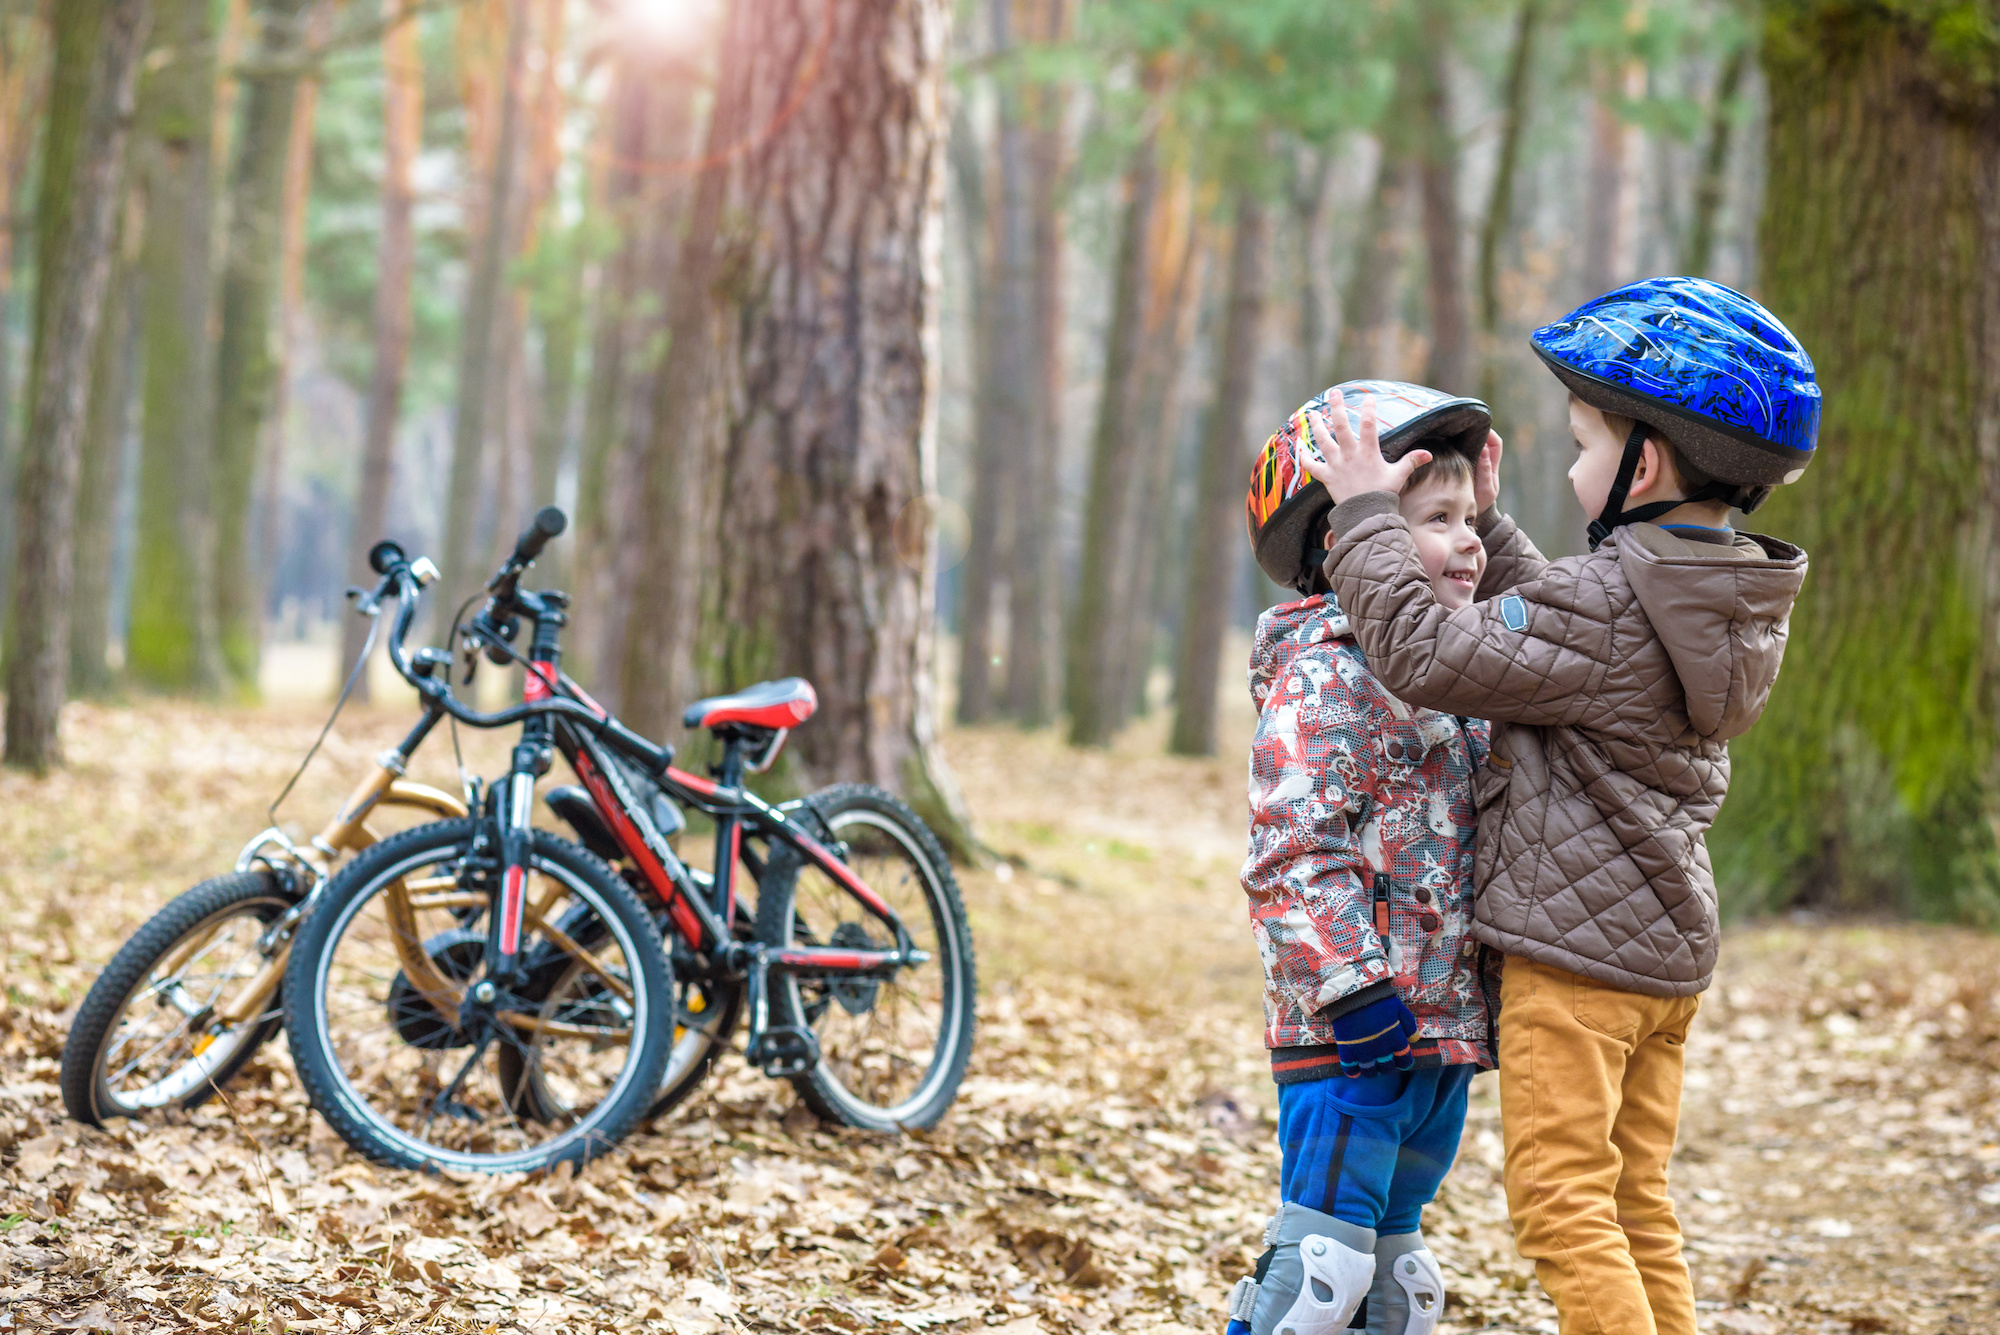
1376, 998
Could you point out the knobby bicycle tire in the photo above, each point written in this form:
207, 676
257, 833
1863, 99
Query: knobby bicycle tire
201, 908
370, 1132
856, 809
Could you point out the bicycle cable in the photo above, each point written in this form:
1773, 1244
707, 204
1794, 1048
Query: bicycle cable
353, 676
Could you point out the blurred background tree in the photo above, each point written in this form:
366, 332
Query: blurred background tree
924, 350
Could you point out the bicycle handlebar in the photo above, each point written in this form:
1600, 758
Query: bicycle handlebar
398, 570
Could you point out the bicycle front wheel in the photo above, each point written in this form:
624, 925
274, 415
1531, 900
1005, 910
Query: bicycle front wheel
405, 1060
892, 1050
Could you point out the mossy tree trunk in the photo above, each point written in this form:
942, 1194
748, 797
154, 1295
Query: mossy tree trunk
1500, 203
1449, 366
247, 357
1870, 781
98, 43
173, 642
104, 468
801, 390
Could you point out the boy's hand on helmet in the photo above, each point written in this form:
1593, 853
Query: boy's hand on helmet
1351, 462
1377, 1034
1486, 474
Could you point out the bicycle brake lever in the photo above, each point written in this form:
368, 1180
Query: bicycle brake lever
364, 600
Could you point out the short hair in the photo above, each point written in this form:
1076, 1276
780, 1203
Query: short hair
1690, 476
1445, 465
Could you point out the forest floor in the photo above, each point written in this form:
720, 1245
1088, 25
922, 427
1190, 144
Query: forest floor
1109, 1163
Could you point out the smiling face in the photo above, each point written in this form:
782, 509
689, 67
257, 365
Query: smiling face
1440, 511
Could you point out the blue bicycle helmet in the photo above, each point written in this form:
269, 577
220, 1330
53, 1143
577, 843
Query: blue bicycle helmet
1702, 365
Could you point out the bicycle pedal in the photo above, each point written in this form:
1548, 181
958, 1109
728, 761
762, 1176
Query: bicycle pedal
785, 1050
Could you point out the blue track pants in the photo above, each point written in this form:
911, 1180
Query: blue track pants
1372, 1149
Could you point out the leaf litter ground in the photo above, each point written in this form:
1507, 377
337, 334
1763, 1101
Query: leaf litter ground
1109, 1162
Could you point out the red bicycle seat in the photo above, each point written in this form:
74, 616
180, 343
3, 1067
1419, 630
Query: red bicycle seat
784, 703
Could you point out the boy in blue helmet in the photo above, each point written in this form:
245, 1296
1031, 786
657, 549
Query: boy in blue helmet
1614, 682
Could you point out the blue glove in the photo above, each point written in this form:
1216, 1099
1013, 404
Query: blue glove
1377, 1034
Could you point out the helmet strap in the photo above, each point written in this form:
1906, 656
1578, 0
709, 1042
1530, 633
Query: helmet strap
1615, 514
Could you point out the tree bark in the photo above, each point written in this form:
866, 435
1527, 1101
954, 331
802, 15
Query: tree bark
481, 329
1437, 171
1144, 570
819, 437
1366, 308
173, 641
1214, 545
1006, 389
98, 44
1869, 783
103, 466
645, 195
395, 260
24, 77
291, 310
1714, 164
1500, 203
1309, 171
1606, 237
1034, 611
247, 358
1114, 449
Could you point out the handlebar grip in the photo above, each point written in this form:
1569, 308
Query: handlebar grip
385, 556
547, 523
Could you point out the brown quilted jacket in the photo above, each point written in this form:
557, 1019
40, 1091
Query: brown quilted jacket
1614, 682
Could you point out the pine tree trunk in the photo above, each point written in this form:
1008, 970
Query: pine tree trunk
270, 524
247, 356
1034, 611
1311, 171
103, 467
395, 260
1215, 542
173, 642
481, 330
98, 43
1500, 203
645, 196
1607, 183
1870, 781
1367, 307
1714, 164
1007, 387
1173, 302
1449, 366
826, 449
1091, 641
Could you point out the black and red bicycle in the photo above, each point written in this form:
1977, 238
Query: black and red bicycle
481, 994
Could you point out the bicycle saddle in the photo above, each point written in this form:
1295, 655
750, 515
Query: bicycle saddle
784, 703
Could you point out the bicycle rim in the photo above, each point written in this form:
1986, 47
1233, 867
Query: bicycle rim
888, 1047
453, 1099
163, 1046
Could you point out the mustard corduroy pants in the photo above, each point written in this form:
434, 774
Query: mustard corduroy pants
1590, 1097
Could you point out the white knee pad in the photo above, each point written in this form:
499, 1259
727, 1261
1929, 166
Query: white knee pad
1408, 1294
1314, 1277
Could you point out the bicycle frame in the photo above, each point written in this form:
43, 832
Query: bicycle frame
558, 715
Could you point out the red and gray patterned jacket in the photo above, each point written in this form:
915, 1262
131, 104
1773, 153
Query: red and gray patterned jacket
1361, 847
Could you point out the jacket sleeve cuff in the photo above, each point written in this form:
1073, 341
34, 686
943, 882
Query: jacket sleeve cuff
1354, 1001
1489, 519
1350, 513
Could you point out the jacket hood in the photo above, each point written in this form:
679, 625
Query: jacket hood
1288, 628
1721, 611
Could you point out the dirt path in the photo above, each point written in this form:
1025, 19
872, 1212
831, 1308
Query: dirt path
1108, 1166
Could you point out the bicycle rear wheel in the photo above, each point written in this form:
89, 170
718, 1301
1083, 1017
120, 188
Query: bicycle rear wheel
410, 1067
146, 1036
892, 1050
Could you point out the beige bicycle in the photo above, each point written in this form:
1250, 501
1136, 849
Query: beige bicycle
193, 994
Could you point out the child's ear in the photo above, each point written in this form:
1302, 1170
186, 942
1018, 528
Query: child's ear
1652, 477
